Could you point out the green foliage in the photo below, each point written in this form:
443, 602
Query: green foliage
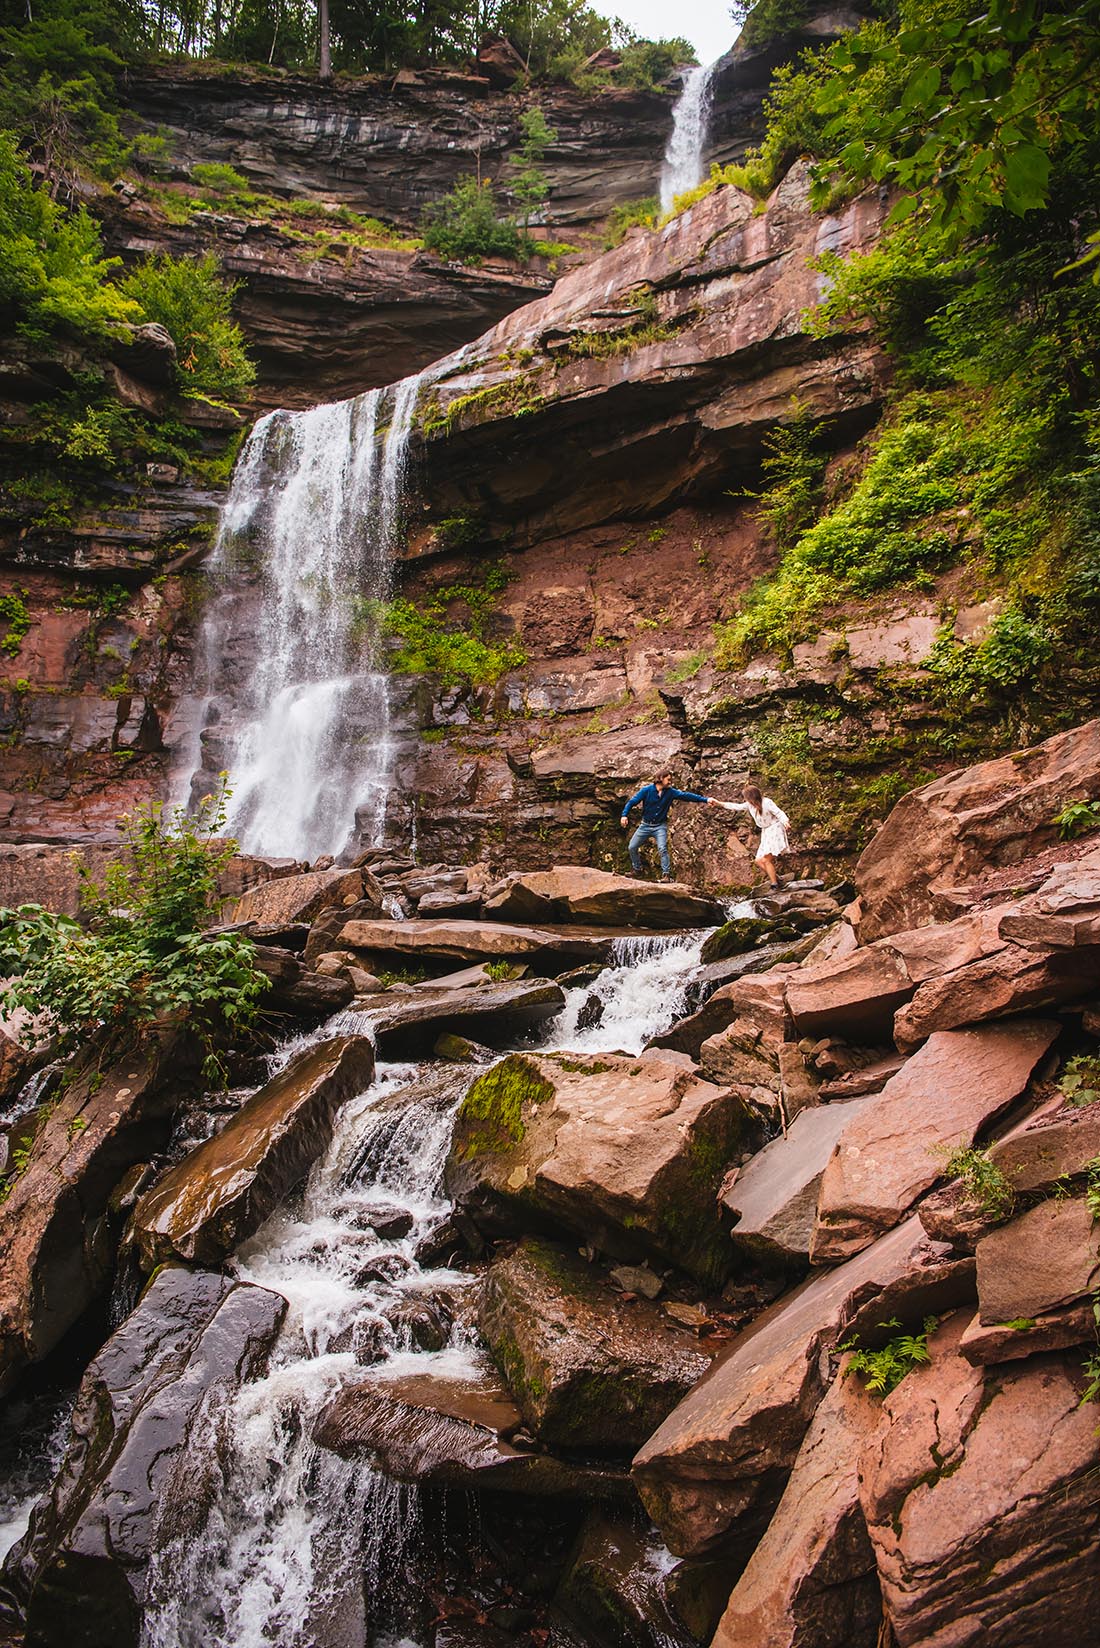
188, 297
793, 467
631, 214
1007, 659
762, 21
490, 1117
1077, 818
646, 64
464, 226
221, 185
884, 1369
529, 185
431, 642
58, 92
983, 1181
1080, 1079
139, 952
498, 971
52, 271
16, 618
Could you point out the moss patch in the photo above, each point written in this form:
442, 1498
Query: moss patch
491, 1115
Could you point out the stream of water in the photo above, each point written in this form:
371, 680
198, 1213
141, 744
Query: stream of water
297, 1546
297, 705
683, 164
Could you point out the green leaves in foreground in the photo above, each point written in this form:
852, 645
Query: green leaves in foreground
139, 953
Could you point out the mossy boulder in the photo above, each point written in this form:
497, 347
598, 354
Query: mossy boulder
586, 1369
743, 933
625, 1153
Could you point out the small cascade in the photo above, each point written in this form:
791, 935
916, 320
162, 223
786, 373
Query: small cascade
297, 703
294, 1537
646, 988
683, 164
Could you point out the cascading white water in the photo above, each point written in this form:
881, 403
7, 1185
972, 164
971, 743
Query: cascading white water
684, 154
313, 515
643, 991
292, 1530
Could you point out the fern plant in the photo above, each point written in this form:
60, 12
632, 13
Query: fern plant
884, 1369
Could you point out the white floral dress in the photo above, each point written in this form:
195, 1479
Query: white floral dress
771, 821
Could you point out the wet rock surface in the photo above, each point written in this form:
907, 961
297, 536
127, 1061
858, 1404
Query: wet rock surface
200, 1210
597, 898
82, 1568
587, 1369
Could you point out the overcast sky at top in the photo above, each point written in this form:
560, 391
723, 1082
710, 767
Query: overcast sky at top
706, 23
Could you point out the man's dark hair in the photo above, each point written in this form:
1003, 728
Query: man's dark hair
665, 772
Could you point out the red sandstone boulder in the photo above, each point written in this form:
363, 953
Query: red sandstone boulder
711, 1476
1012, 980
587, 1369
299, 898
982, 1500
1027, 1336
811, 1581
223, 1191
998, 813
1047, 1258
572, 893
625, 1154
895, 1148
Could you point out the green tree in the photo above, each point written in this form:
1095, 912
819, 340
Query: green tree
188, 297
530, 186
464, 225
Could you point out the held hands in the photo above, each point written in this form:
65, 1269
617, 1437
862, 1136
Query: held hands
624, 822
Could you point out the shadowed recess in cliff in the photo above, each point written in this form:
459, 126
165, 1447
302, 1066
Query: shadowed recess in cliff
297, 708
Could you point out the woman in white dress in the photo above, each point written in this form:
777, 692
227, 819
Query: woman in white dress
772, 823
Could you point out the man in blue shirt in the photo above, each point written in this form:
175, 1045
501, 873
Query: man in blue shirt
656, 799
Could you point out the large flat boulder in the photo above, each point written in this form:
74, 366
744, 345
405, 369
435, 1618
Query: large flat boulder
1011, 980
587, 1369
1046, 1259
1056, 1145
223, 1191
489, 1012
83, 1566
472, 941
299, 898
949, 831
455, 1432
573, 893
712, 1474
626, 1154
958, 1083
773, 1200
57, 1232
982, 1500
811, 1581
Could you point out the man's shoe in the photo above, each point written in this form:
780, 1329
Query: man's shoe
665, 876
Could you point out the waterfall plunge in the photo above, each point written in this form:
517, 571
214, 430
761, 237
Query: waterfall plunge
312, 520
683, 163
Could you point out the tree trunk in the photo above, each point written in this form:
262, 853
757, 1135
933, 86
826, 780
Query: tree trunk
324, 65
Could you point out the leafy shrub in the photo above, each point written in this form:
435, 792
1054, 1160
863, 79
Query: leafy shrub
52, 270
464, 226
139, 952
1008, 658
188, 297
15, 615
884, 1369
794, 469
630, 215
1080, 1079
1077, 819
983, 1181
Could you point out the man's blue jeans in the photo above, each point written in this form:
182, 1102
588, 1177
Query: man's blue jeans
644, 832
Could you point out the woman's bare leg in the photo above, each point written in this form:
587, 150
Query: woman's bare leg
767, 864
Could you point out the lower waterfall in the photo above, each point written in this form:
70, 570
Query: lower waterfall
296, 699
685, 152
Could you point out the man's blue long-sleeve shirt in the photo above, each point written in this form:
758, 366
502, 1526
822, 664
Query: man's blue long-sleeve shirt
655, 802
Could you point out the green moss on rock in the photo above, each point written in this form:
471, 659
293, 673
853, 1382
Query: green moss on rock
491, 1115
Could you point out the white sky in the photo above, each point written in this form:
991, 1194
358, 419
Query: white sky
706, 23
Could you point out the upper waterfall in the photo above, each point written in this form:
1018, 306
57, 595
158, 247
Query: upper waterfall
683, 162
304, 552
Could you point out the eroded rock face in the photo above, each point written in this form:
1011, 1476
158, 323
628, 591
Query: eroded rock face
83, 1565
300, 898
982, 1500
625, 1153
56, 1229
1046, 1259
958, 1083
224, 1190
457, 1433
614, 1589
711, 1476
476, 940
950, 831
587, 1370
811, 1581
572, 894
491, 1012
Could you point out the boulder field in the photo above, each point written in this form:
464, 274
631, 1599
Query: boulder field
789, 1317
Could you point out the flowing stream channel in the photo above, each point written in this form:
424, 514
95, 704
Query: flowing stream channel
297, 1547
